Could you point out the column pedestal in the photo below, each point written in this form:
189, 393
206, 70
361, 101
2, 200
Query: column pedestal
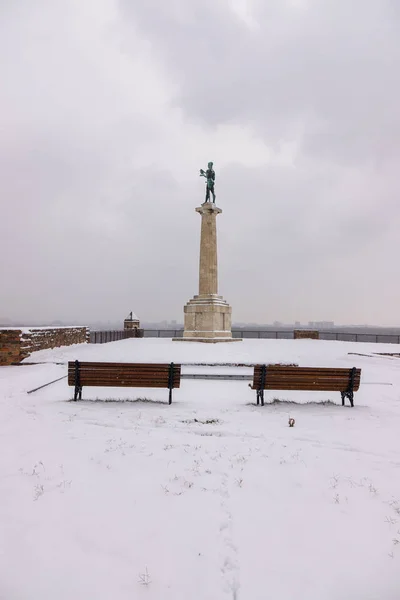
207, 316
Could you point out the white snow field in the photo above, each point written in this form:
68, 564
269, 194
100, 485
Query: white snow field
209, 498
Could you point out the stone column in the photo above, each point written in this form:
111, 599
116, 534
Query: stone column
207, 317
208, 271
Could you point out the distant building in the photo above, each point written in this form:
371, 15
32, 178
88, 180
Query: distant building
321, 324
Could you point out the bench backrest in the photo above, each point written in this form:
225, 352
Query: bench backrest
156, 375
305, 378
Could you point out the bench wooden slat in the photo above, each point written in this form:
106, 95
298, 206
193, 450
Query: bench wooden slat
92, 375
127, 369
128, 372
129, 375
115, 374
132, 381
338, 383
120, 384
320, 385
102, 365
122, 367
332, 375
115, 371
303, 388
283, 369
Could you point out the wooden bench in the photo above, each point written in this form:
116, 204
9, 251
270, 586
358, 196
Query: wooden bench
275, 377
141, 375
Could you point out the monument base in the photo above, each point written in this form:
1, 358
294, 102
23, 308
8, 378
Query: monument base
207, 318
206, 340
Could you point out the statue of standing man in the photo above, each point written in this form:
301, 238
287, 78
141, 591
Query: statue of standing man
210, 177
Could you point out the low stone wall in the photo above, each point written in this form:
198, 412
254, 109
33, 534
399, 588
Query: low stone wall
10, 346
131, 324
301, 334
18, 344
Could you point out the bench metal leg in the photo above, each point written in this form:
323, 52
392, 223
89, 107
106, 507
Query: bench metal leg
170, 382
260, 391
350, 396
78, 387
349, 393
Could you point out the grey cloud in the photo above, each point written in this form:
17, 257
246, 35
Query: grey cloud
96, 222
332, 66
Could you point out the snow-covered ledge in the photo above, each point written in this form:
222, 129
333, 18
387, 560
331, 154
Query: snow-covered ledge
17, 343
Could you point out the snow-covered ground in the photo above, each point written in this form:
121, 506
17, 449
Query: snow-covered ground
209, 498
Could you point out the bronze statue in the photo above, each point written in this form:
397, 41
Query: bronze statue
210, 177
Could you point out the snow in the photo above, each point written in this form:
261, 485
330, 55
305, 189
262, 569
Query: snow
209, 498
134, 317
26, 330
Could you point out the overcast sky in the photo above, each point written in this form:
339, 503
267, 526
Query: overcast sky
109, 108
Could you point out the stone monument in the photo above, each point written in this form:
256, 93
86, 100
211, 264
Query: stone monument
207, 316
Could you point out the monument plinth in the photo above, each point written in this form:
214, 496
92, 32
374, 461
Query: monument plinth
207, 316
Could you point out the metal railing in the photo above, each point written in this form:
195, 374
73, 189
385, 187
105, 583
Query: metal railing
101, 337
339, 336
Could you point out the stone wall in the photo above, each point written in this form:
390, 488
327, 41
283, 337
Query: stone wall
10, 346
18, 344
301, 334
131, 324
